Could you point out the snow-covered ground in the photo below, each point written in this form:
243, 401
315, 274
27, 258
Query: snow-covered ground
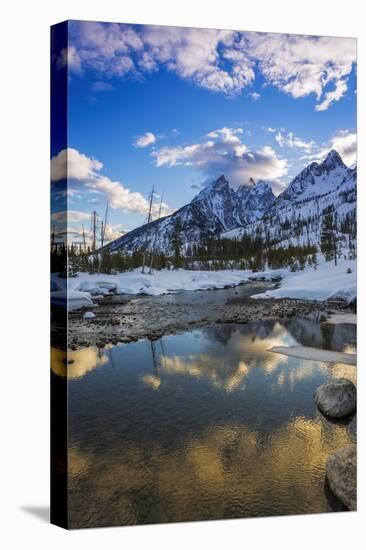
326, 282
80, 289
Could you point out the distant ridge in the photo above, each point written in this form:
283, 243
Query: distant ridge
220, 210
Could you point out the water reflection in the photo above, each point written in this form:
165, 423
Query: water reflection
200, 425
227, 471
76, 363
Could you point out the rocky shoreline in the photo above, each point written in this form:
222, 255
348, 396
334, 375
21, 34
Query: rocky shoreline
123, 319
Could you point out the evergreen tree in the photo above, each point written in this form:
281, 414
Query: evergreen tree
329, 244
72, 262
106, 262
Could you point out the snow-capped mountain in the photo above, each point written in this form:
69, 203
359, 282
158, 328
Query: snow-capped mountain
294, 216
216, 209
316, 180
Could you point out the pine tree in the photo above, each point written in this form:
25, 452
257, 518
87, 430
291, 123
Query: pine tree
106, 262
329, 243
72, 262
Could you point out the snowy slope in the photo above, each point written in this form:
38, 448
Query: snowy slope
217, 208
80, 289
316, 180
294, 217
326, 282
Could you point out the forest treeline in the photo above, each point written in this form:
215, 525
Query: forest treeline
249, 252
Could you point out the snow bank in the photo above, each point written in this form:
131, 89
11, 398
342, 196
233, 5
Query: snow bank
316, 354
326, 282
85, 285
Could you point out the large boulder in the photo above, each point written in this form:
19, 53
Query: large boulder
336, 398
341, 472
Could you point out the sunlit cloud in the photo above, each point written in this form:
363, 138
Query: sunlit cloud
223, 151
76, 363
344, 142
73, 165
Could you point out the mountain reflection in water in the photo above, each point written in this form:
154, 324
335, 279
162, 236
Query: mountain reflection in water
205, 424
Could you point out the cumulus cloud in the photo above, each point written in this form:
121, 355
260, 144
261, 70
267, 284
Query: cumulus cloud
113, 231
223, 151
254, 96
206, 56
293, 142
145, 140
344, 142
221, 61
73, 165
70, 216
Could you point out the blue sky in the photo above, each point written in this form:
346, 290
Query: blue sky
174, 107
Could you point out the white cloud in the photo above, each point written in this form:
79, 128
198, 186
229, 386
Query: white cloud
145, 140
223, 151
221, 61
194, 54
293, 142
206, 56
71, 164
74, 165
344, 142
303, 65
70, 216
254, 96
113, 231
334, 95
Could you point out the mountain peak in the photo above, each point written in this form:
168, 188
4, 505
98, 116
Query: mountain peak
218, 184
332, 160
220, 181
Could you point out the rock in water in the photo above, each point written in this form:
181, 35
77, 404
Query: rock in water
336, 398
341, 472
